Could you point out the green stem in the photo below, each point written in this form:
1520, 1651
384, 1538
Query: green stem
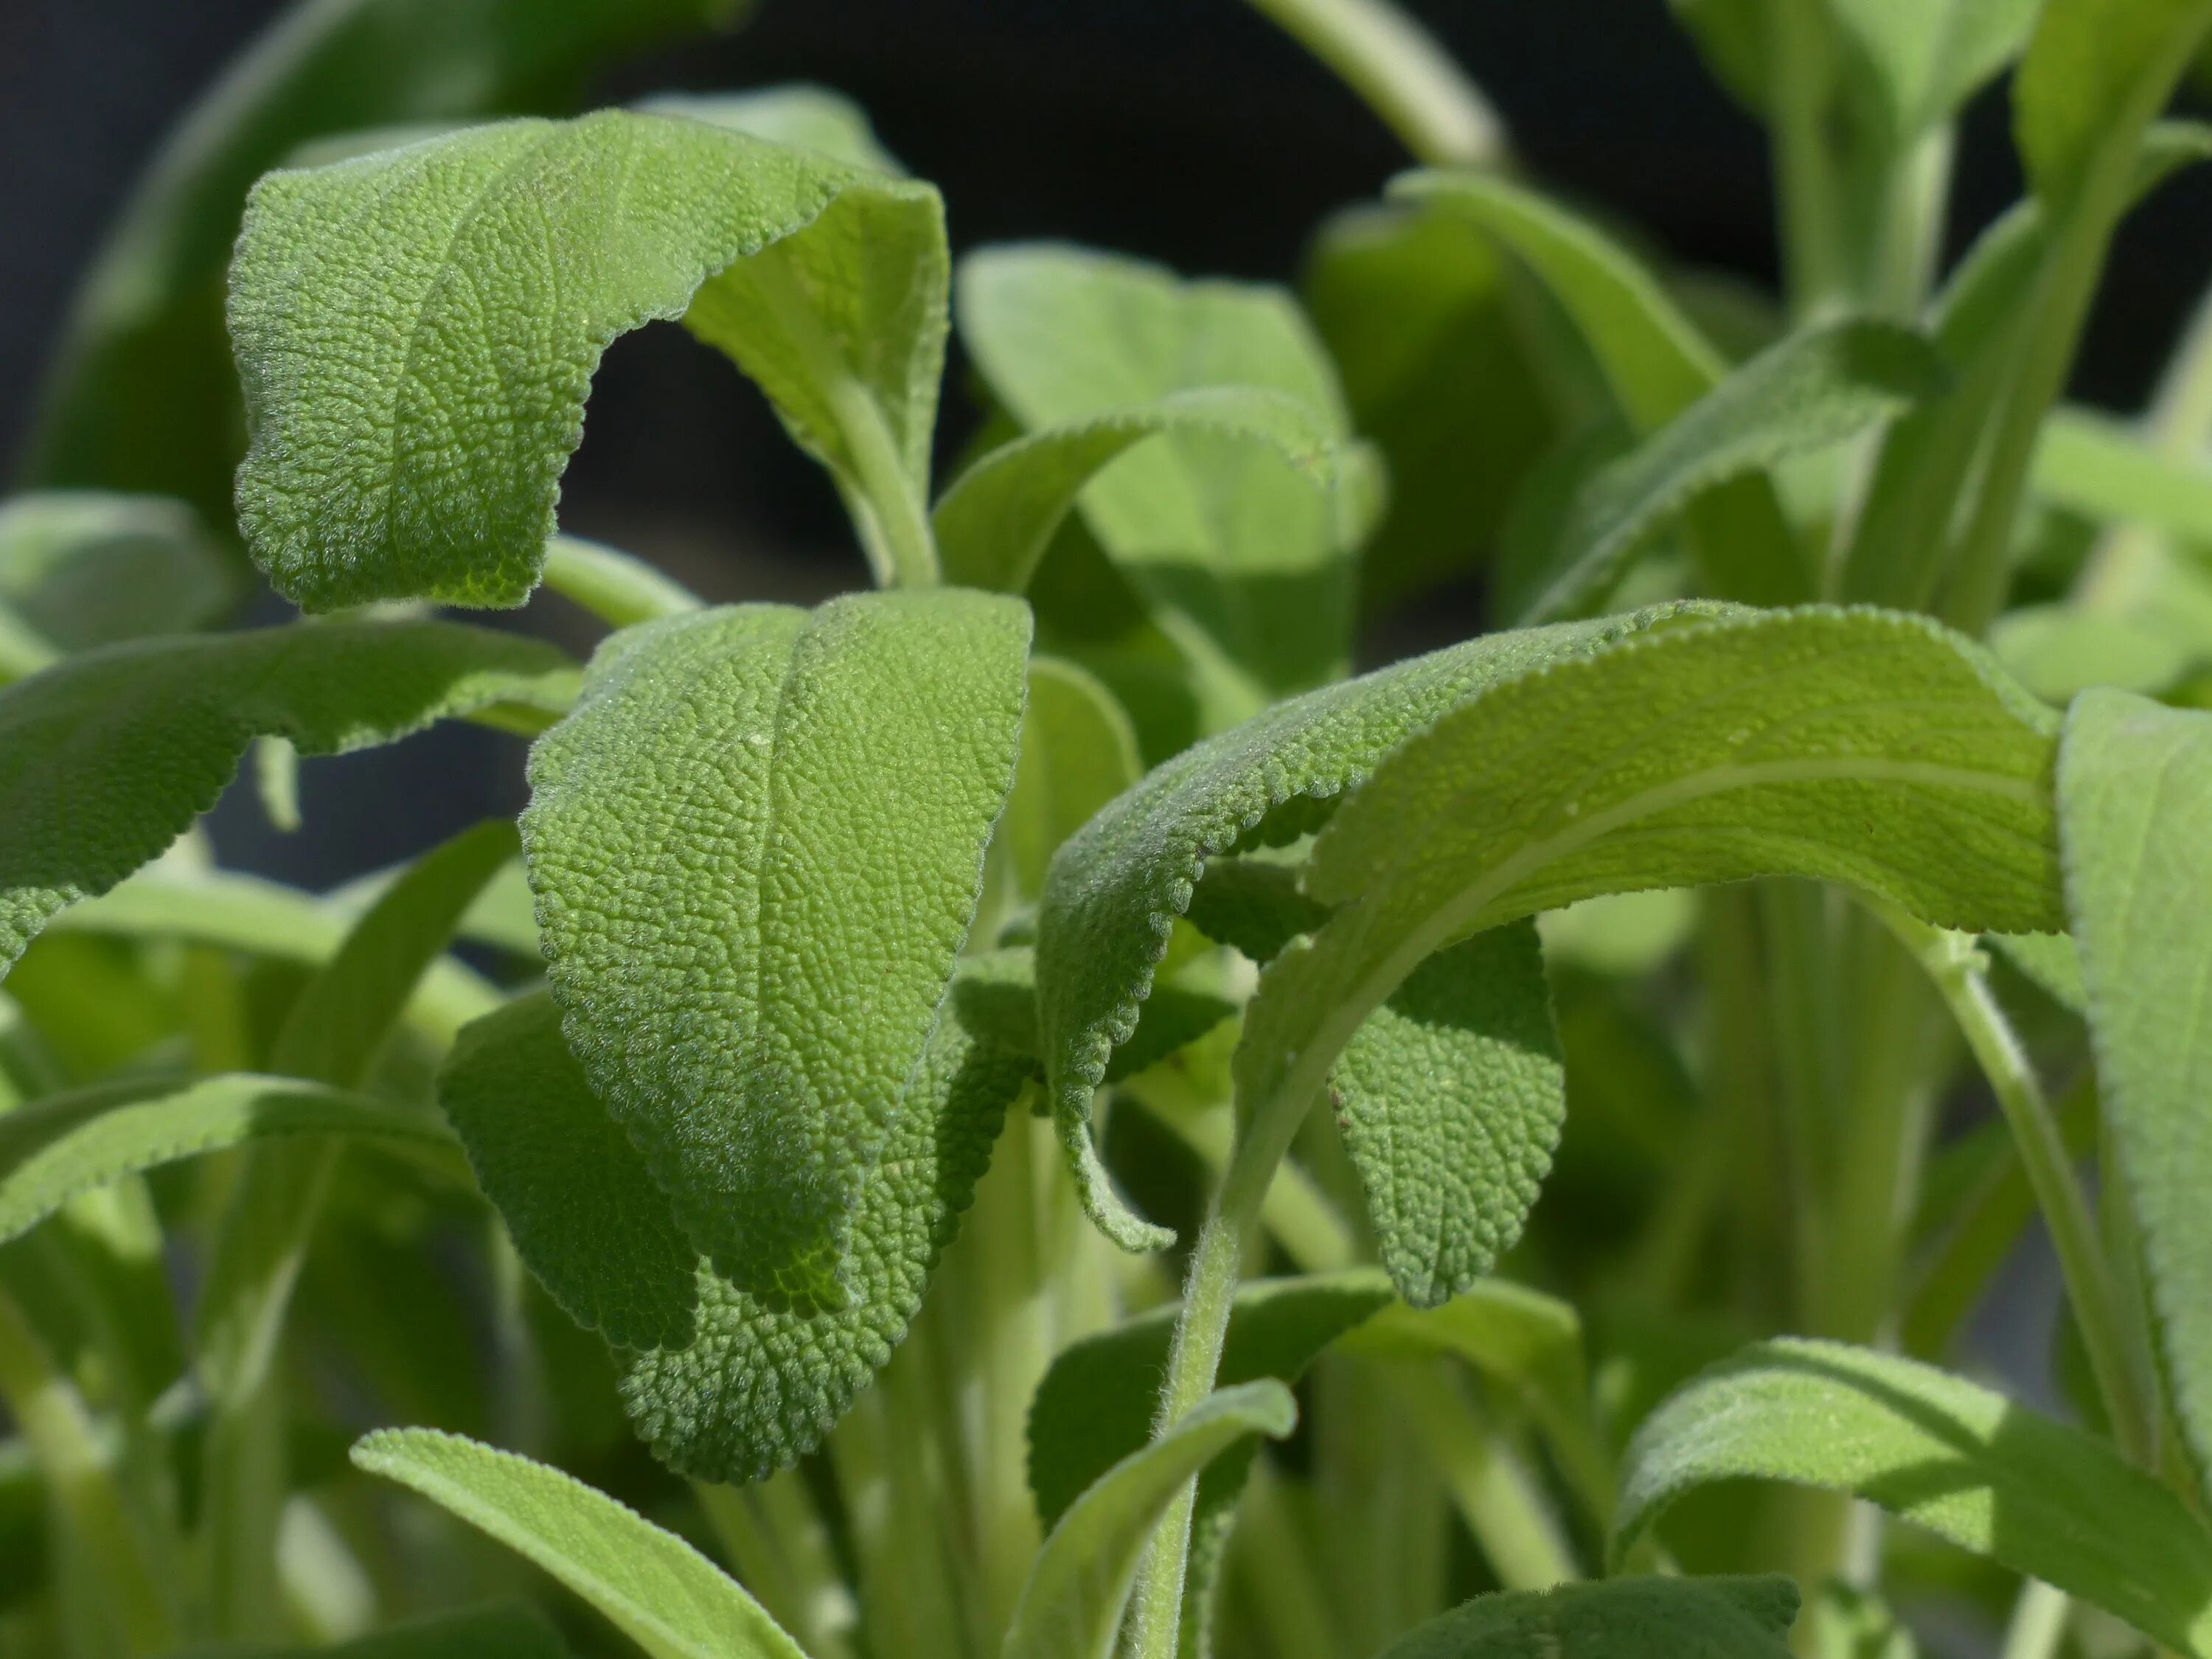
1956, 967
616, 587
1810, 192
1403, 75
776, 1543
2038, 1622
55, 1425
1490, 1486
1281, 1579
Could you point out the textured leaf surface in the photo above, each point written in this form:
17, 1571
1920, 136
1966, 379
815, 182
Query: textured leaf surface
1945, 1454
722, 1384
107, 758
659, 1592
992, 525
2095, 72
1620, 1618
1450, 1097
62, 1145
1116, 887
417, 328
2134, 794
1864, 747
1218, 529
1071, 1603
1809, 390
142, 395
1078, 753
757, 845
88, 567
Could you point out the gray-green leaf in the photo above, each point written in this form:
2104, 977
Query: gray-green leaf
662, 1594
1619, 1618
810, 117
2134, 794
1945, 1454
1078, 753
757, 845
88, 567
2095, 73
417, 328
1071, 1603
107, 758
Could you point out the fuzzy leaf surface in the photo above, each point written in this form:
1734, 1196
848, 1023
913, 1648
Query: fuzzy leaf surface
1116, 887
1078, 753
1943, 1453
1616, 1618
417, 328
92, 567
757, 845
2135, 793
662, 1594
1249, 547
1071, 1603
109, 757
1809, 391
722, 1383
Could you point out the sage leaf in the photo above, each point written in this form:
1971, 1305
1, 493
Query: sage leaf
1219, 531
2095, 73
657, 1590
724, 1384
993, 524
413, 394
1618, 1619
2094, 465
1078, 753
1450, 1097
1930, 56
824, 783
142, 394
1943, 1453
809, 117
109, 756
2135, 781
1116, 887
1071, 1603
500, 1630
1810, 390
59, 1145
89, 567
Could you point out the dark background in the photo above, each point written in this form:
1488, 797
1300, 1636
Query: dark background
1187, 130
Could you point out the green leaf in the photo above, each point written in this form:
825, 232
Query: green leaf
142, 395
88, 567
417, 329
1451, 1098
499, 1630
2134, 788
657, 1590
1620, 1618
1872, 749
109, 756
2096, 72
1071, 1603
1222, 532
1078, 753
1930, 56
1097, 1404
1943, 1453
841, 770
1811, 390
812, 118
2051, 960
724, 1384
1115, 888
993, 524
62, 1145
2096, 467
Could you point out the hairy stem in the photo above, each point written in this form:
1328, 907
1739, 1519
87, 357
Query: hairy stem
1401, 72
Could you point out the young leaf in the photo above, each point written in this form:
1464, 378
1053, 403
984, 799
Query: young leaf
109, 757
1943, 1453
1115, 888
89, 568
812, 118
841, 770
413, 396
142, 394
1864, 747
1214, 527
993, 524
1811, 390
656, 1588
1078, 753
2135, 791
2095, 74
1619, 1618
1930, 56
59, 1145
724, 1384
500, 1630
1072, 1604
1450, 1097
